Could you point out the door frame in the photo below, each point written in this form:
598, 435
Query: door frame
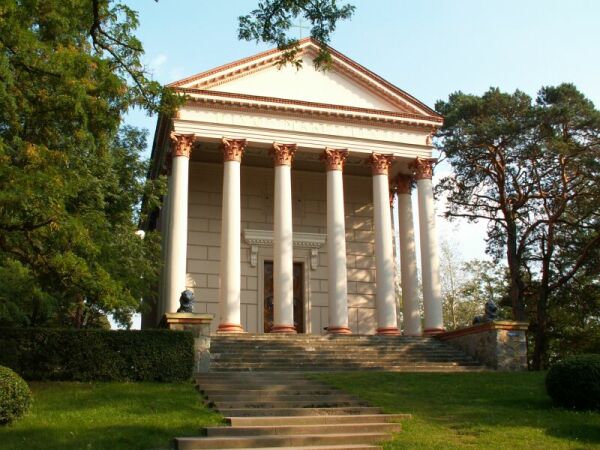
300, 256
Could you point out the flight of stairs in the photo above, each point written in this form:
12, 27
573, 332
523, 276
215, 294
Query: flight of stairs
284, 410
301, 353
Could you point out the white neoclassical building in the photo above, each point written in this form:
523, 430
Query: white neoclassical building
278, 212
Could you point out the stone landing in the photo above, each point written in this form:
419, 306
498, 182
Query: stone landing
287, 411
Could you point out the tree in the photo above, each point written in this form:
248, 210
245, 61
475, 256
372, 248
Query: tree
531, 170
272, 20
71, 176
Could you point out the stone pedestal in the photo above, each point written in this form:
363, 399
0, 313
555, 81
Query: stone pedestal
199, 325
501, 345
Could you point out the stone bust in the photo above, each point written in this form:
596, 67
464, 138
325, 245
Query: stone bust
186, 302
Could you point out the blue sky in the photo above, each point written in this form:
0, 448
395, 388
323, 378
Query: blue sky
428, 48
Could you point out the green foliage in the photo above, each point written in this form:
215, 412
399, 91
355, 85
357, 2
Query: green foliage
575, 382
531, 169
71, 177
15, 396
272, 20
97, 355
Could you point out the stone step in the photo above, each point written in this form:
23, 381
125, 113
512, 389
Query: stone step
324, 447
278, 441
315, 402
267, 390
315, 420
380, 368
328, 411
317, 365
273, 430
341, 360
242, 396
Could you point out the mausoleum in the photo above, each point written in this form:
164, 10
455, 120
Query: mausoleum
280, 183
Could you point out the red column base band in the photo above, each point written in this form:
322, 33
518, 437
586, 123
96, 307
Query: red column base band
339, 330
389, 331
283, 329
230, 328
432, 331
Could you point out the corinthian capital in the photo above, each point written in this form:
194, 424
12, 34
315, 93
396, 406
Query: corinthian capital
423, 168
283, 154
233, 149
380, 163
404, 183
181, 144
334, 158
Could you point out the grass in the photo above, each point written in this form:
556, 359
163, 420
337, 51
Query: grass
473, 410
108, 416
450, 411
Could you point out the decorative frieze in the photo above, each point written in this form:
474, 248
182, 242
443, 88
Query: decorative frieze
233, 149
264, 238
423, 168
334, 158
283, 154
380, 163
181, 144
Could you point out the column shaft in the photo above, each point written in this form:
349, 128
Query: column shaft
283, 243
336, 243
230, 265
178, 221
408, 260
385, 296
430, 264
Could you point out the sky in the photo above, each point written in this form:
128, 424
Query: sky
428, 48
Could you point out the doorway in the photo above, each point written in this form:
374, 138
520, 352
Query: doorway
298, 296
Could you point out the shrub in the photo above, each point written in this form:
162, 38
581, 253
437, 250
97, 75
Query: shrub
98, 355
575, 382
15, 396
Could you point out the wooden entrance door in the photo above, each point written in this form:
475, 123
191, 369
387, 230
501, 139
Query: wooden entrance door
298, 297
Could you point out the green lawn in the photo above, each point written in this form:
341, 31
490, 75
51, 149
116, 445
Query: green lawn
473, 410
450, 411
108, 416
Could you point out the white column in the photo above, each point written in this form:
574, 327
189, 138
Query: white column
336, 243
408, 259
181, 147
229, 294
430, 264
166, 239
283, 244
385, 297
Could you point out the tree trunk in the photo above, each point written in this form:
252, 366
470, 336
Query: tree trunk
514, 268
541, 335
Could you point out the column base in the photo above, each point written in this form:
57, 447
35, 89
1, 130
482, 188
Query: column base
432, 331
388, 331
230, 328
290, 329
339, 330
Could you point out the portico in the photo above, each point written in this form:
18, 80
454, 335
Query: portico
278, 208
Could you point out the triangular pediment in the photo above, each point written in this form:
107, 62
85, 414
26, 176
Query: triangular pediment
345, 85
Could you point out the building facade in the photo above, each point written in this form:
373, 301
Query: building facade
278, 214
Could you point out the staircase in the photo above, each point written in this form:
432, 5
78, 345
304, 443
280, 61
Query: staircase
305, 353
281, 410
